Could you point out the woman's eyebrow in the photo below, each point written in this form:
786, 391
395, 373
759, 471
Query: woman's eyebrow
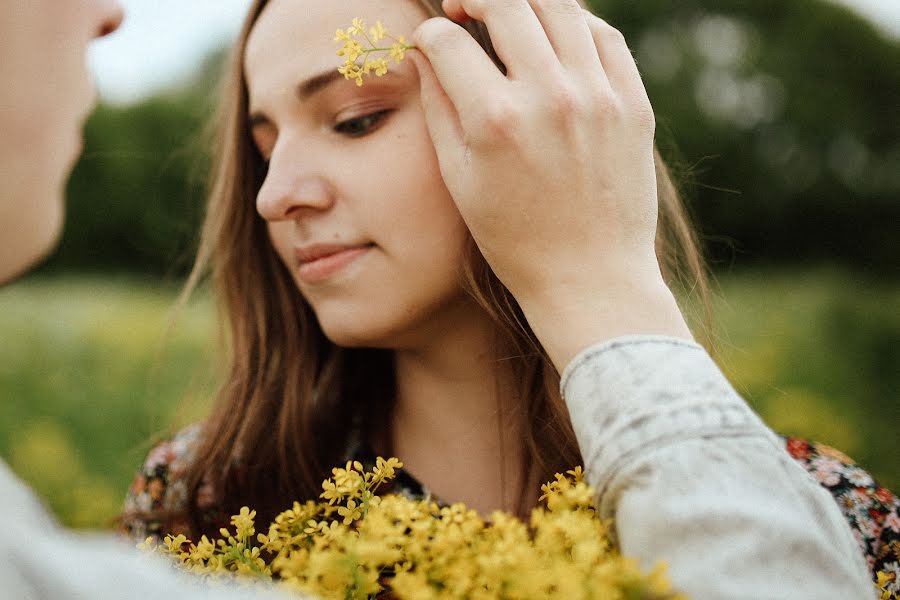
308, 88
317, 83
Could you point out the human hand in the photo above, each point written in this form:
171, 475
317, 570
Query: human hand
551, 165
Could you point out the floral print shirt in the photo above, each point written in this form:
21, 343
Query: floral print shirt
872, 511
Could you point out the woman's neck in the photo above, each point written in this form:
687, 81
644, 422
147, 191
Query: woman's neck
455, 425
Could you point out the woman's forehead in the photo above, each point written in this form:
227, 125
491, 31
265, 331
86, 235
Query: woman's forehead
297, 36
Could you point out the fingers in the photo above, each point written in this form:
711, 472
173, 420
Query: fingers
464, 71
560, 22
565, 26
465, 76
440, 114
516, 33
616, 58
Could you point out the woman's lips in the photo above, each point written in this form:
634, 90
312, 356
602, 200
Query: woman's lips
318, 263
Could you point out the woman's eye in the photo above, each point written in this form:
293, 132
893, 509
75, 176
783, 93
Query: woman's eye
360, 126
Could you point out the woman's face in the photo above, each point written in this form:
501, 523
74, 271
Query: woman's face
353, 197
45, 96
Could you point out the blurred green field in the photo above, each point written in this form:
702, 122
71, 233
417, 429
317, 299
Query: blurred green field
92, 370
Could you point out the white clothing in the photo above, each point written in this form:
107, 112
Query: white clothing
690, 475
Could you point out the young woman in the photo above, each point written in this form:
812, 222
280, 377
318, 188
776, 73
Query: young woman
407, 267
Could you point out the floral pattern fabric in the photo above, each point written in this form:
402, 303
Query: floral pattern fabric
872, 511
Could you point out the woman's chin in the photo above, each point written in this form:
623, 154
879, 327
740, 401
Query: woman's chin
356, 333
356, 338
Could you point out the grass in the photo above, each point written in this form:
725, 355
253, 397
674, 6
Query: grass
91, 372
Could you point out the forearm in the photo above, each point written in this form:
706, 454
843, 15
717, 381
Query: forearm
692, 477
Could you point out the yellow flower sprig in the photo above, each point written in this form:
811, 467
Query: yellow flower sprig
888, 586
355, 544
352, 40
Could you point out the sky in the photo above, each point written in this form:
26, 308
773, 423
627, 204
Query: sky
163, 41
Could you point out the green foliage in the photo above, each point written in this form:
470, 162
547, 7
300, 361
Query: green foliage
782, 116
90, 374
136, 196
817, 354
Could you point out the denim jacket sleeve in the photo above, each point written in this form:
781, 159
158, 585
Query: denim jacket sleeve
691, 476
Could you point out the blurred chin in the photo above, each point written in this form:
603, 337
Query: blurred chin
31, 240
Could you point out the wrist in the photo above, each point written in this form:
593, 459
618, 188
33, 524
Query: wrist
567, 320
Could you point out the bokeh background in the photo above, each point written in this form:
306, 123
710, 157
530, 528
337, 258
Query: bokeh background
779, 116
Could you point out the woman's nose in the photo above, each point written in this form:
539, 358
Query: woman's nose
289, 193
109, 17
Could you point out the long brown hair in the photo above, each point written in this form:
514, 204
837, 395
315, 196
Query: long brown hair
283, 414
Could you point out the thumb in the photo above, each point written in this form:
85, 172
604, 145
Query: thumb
440, 114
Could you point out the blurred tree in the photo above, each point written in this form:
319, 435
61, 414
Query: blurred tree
783, 119
135, 199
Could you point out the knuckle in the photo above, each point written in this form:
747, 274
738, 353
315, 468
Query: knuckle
498, 120
603, 29
612, 35
566, 100
644, 116
436, 35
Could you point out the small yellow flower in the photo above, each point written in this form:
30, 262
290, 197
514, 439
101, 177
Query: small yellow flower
371, 543
377, 32
174, 543
148, 545
356, 44
356, 27
243, 522
351, 512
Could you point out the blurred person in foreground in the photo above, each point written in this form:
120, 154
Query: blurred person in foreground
45, 98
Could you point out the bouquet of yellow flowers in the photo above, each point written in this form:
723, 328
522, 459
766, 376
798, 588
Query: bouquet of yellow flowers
355, 544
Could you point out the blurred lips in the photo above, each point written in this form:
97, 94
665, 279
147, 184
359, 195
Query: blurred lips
318, 262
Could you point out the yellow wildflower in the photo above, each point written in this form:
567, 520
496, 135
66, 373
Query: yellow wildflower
377, 32
243, 522
356, 544
352, 40
356, 27
350, 513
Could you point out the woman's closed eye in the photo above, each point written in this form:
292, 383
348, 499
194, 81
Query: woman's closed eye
362, 125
